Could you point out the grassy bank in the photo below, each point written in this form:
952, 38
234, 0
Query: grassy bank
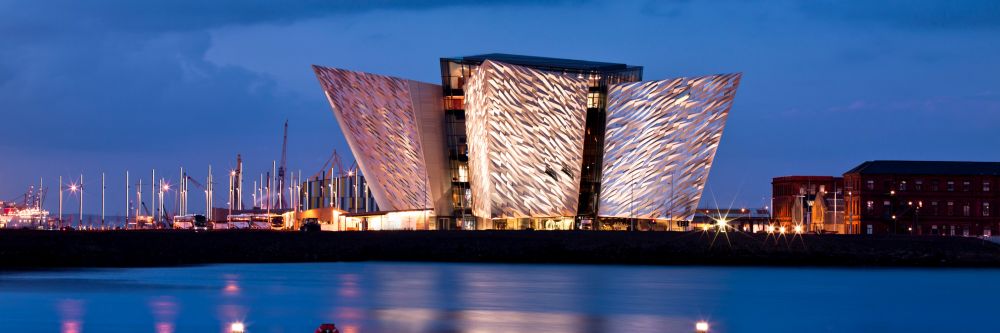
26, 249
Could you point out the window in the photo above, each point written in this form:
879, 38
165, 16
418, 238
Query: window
934, 208
869, 229
987, 232
965, 209
885, 203
463, 173
986, 186
902, 185
870, 185
918, 185
965, 186
986, 209
870, 206
951, 186
951, 208
934, 185
593, 100
454, 102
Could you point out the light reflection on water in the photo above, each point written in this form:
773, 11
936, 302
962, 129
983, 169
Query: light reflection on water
480, 298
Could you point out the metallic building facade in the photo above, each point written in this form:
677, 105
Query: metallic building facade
527, 151
660, 142
521, 139
381, 120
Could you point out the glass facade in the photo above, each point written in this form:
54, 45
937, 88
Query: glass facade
455, 71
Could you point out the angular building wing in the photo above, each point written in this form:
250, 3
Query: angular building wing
526, 130
393, 126
660, 141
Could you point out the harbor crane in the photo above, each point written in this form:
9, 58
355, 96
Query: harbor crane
281, 168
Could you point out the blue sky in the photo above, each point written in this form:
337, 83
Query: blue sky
110, 85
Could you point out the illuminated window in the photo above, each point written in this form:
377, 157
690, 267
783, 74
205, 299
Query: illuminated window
593, 100
454, 102
870, 206
902, 185
986, 209
870, 185
918, 185
965, 209
463, 173
951, 208
951, 186
965, 186
934, 208
986, 186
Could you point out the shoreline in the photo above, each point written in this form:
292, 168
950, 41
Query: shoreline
31, 249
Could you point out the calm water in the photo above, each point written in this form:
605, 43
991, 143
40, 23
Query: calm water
482, 298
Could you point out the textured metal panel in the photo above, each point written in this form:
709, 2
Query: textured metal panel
660, 142
525, 129
377, 115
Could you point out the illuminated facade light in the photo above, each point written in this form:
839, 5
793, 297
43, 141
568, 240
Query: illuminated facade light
517, 138
528, 128
393, 127
660, 143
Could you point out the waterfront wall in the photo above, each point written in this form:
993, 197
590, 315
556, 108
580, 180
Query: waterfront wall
26, 249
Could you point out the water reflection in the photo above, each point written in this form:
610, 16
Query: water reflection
470, 298
164, 310
232, 287
71, 315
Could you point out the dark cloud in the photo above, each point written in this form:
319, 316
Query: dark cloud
33, 15
927, 14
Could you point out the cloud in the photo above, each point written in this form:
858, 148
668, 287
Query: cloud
923, 14
175, 15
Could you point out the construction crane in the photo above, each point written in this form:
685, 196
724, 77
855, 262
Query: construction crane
238, 182
281, 168
333, 162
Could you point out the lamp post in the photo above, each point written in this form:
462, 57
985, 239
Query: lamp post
892, 209
60, 202
850, 212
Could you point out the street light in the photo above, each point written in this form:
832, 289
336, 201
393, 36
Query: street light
701, 327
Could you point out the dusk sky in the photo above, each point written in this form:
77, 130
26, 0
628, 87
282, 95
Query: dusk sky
110, 85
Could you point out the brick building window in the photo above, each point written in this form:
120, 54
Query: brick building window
902, 185
934, 185
986, 209
965, 209
986, 186
965, 186
870, 185
934, 208
951, 186
951, 208
918, 185
870, 206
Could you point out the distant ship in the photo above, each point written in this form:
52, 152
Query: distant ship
13, 215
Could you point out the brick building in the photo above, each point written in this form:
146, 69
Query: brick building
924, 197
814, 202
